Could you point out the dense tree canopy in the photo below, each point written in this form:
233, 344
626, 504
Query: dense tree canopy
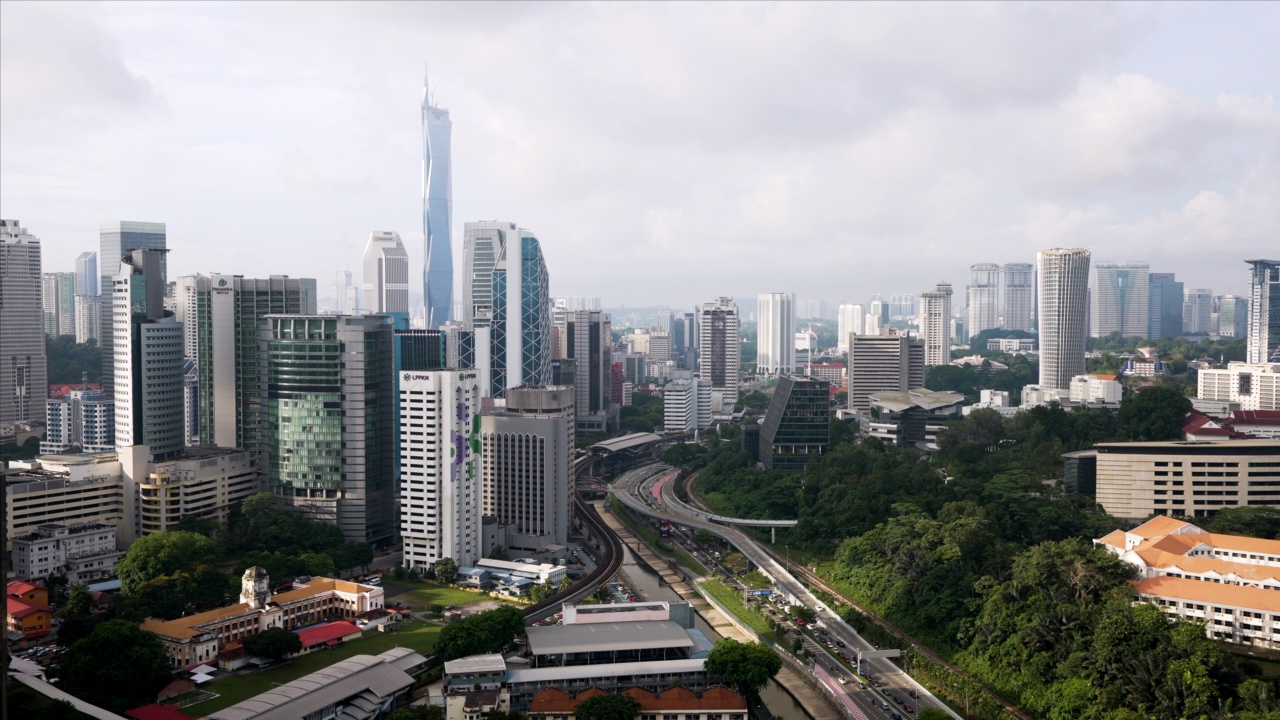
69, 360
117, 667
747, 667
274, 643
485, 632
446, 570
607, 707
1259, 522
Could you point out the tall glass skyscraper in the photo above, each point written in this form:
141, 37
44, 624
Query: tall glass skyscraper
437, 211
1264, 311
1063, 279
1120, 299
521, 328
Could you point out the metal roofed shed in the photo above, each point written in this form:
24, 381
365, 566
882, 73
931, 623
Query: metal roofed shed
591, 643
626, 442
492, 662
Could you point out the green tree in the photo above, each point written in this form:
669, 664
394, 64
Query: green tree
1156, 413
1259, 522
79, 602
163, 553
485, 632
274, 643
607, 707
747, 667
317, 564
804, 612
933, 714
446, 570
69, 360
418, 712
117, 667
352, 555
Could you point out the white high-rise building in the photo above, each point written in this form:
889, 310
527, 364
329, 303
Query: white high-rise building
1233, 316
935, 324
441, 487
89, 318
1063, 278
116, 239
24, 381
528, 447
57, 295
84, 419
720, 352
851, 318
776, 332
1019, 297
1120, 299
1197, 311
147, 342
984, 298
1264, 312
482, 243
686, 403
87, 276
386, 274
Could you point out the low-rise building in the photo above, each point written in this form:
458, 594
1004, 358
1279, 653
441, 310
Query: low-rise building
1095, 390
1037, 395
28, 617
197, 639
1224, 581
834, 373
82, 419
912, 418
80, 553
1143, 366
614, 642
1254, 386
1013, 346
998, 400
63, 490
362, 686
976, 362
1186, 478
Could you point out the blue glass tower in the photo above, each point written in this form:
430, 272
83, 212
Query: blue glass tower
437, 211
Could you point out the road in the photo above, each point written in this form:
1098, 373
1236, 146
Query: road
652, 493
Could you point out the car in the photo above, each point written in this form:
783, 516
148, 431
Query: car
907, 707
842, 681
884, 704
896, 716
375, 580
840, 642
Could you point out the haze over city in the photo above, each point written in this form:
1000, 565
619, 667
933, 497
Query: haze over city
664, 154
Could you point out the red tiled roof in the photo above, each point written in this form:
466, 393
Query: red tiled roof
19, 587
328, 632
19, 608
157, 712
1256, 417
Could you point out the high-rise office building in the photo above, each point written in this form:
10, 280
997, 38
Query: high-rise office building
328, 424
1233, 316
659, 346
230, 314
1197, 311
437, 211
520, 331
147, 354
888, 361
89, 318
984, 298
589, 343
797, 425
1264, 312
686, 403
87, 275
1019, 296
664, 321
935, 324
116, 239
386, 275
720, 352
684, 341
345, 297
1120, 299
527, 461
879, 309
442, 489
850, 318
775, 333
1164, 306
1062, 276
58, 298
482, 244
24, 381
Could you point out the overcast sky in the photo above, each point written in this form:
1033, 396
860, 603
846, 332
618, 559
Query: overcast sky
663, 153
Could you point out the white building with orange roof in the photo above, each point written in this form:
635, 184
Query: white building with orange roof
197, 639
1228, 582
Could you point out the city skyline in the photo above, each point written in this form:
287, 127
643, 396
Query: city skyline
289, 208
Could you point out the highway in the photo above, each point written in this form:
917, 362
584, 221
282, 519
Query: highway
637, 491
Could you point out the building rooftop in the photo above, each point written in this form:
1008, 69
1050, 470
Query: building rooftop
1210, 593
597, 637
626, 441
492, 662
188, 627
605, 670
21, 587
1194, 447
326, 633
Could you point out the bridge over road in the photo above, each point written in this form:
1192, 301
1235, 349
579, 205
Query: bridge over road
688, 510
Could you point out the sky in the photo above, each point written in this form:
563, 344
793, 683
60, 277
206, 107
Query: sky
663, 153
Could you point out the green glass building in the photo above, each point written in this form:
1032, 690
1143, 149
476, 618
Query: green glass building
327, 425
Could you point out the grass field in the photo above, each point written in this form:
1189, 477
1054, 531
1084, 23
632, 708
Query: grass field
730, 598
421, 594
232, 689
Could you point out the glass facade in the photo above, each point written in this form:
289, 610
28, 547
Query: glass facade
797, 425
437, 212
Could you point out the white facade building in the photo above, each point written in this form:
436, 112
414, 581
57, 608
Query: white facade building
935, 325
442, 493
89, 318
24, 382
386, 274
1120, 299
997, 400
851, 318
776, 332
984, 299
1037, 395
1093, 389
85, 419
1019, 297
686, 403
81, 553
1264, 312
1255, 386
1063, 277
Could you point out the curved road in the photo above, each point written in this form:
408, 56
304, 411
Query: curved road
654, 496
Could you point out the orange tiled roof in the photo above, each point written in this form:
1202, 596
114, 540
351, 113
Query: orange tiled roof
184, 628
20, 608
1159, 525
1115, 539
1210, 593
1204, 565
21, 587
556, 701
1241, 543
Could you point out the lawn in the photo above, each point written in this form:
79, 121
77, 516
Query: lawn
650, 535
421, 594
732, 600
232, 689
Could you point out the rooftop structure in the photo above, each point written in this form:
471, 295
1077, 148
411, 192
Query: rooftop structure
612, 642
912, 418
